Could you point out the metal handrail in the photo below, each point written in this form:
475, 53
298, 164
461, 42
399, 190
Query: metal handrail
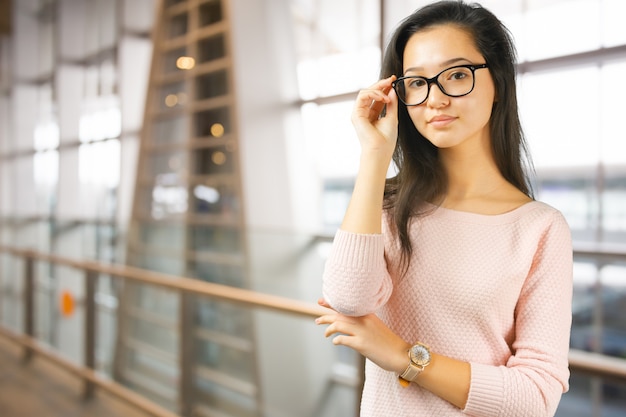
582, 361
237, 295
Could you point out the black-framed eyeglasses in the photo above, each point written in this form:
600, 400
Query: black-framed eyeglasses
455, 81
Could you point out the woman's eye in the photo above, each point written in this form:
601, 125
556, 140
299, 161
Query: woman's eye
417, 83
459, 75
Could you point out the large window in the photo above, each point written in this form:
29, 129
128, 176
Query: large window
338, 45
570, 96
68, 70
338, 48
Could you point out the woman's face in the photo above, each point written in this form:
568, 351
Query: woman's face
449, 122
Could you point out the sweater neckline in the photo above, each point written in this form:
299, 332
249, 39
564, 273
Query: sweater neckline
471, 217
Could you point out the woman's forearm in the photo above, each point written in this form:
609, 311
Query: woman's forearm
364, 212
448, 378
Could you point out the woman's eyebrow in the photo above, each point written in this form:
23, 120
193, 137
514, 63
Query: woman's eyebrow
442, 65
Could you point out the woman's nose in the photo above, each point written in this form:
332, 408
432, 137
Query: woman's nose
436, 97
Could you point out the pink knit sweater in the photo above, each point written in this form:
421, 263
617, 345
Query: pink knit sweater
494, 291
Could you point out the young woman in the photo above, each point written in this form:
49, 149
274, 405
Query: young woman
450, 278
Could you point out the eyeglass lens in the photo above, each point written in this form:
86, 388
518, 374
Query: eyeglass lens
454, 82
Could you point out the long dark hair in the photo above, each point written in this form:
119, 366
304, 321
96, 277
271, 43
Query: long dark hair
421, 176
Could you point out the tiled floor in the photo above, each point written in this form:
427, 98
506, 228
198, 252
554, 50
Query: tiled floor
42, 389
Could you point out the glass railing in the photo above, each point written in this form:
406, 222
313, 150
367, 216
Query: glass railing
598, 334
74, 321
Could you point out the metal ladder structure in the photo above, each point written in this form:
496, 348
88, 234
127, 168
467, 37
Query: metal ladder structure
188, 220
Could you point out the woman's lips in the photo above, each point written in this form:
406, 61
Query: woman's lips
441, 121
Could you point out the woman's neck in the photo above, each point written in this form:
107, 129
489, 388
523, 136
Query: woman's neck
475, 184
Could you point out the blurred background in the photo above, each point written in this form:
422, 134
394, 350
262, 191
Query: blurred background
211, 139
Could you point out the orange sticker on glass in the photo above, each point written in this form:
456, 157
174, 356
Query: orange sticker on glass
67, 303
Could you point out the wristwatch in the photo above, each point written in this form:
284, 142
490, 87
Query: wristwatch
419, 358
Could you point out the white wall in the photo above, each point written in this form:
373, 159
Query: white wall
279, 185
295, 360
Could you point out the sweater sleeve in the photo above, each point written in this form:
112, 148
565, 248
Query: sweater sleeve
355, 280
535, 376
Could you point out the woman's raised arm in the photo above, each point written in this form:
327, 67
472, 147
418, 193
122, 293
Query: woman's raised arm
377, 136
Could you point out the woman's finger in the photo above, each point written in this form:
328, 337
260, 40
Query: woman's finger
324, 320
332, 318
333, 325
323, 303
392, 105
377, 106
341, 340
375, 96
371, 101
332, 329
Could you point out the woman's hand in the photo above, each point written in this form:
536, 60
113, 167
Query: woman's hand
446, 377
377, 133
369, 336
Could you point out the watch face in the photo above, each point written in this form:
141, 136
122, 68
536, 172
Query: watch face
420, 355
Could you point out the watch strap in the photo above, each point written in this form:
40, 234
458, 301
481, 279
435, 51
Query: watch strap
410, 373
403, 382
413, 369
